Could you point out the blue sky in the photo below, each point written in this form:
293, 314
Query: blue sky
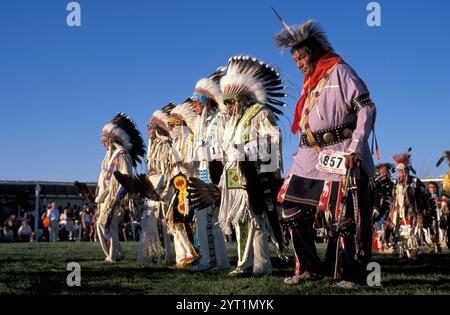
59, 85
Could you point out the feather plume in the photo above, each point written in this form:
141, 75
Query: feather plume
85, 191
445, 155
201, 194
139, 185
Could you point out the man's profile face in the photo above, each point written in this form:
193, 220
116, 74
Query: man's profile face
401, 173
384, 172
105, 144
198, 107
231, 105
151, 134
304, 62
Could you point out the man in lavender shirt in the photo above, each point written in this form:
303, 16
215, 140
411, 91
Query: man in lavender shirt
334, 117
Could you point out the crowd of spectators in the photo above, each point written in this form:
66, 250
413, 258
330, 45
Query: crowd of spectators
59, 224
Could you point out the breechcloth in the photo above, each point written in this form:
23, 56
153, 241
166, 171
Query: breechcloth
301, 202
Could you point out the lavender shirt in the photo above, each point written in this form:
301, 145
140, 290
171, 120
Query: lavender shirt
332, 109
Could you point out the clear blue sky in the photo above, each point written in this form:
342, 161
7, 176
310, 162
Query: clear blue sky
60, 85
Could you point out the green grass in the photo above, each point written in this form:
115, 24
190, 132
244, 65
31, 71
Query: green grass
40, 268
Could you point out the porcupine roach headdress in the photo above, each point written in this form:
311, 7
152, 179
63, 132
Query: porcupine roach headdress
209, 88
403, 160
122, 130
160, 118
247, 76
308, 34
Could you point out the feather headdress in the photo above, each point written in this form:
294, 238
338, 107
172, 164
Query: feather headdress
255, 79
160, 117
445, 155
185, 112
210, 88
122, 130
308, 34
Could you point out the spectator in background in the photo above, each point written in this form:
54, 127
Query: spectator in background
125, 225
24, 232
70, 220
87, 221
76, 212
29, 217
13, 225
433, 216
45, 222
67, 222
8, 232
76, 231
53, 215
63, 232
4, 209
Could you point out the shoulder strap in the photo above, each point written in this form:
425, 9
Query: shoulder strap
311, 101
246, 120
112, 164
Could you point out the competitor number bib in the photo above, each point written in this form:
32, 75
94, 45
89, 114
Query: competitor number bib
331, 162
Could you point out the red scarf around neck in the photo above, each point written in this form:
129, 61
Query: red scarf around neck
323, 65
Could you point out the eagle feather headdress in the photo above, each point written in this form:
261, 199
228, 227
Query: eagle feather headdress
123, 131
185, 112
210, 87
255, 79
160, 117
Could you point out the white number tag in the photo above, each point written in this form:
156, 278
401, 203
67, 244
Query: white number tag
251, 149
216, 152
331, 162
258, 149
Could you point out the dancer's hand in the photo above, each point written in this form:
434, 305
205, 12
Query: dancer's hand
352, 161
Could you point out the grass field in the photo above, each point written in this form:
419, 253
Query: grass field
40, 268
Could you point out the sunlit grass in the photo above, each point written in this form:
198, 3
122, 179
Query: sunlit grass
40, 268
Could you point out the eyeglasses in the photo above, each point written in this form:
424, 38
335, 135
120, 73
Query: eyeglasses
229, 101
